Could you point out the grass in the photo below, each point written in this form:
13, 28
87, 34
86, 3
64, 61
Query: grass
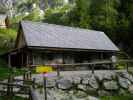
127, 97
14, 98
5, 72
7, 38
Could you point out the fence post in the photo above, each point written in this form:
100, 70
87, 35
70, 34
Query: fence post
10, 88
92, 68
58, 70
127, 67
30, 95
45, 88
33, 84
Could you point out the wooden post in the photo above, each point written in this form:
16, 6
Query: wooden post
110, 66
27, 60
34, 81
101, 55
127, 67
45, 88
93, 69
9, 60
22, 60
30, 96
58, 71
10, 88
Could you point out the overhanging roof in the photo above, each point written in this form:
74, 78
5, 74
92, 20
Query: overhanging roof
50, 35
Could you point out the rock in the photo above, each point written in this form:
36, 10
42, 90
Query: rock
110, 85
57, 95
51, 83
103, 93
71, 92
107, 76
127, 76
85, 81
64, 84
124, 83
80, 94
92, 98
122, 91
93, 82
130, 89
76, 80
99, 77
82, 87
91, 90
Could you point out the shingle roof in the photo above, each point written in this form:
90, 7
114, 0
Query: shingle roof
51, 35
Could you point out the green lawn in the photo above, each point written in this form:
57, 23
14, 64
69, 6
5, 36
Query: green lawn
128, 97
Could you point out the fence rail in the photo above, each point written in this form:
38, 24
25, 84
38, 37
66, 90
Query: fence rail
91, 64
9, 87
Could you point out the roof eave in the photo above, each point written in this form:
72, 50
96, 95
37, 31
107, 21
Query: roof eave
70, 49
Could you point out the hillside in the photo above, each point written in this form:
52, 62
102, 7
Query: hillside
7, 38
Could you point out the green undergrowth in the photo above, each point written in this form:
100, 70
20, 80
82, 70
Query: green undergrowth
5, 72
7, 39
126, 97
14, 98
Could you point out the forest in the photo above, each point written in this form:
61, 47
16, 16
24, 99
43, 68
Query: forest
114, 17
111, 80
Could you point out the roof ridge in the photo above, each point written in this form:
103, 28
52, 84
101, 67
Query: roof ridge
78, 28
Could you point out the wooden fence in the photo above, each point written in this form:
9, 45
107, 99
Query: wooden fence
29, 89
8, 88
91, 65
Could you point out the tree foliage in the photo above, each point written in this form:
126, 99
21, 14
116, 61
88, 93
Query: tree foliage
114, 17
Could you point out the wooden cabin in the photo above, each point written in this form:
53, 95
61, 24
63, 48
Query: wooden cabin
4, 21
42, 43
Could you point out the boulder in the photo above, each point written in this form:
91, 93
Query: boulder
107, 76
64, 84
91, 90
57, 94
92, 98
85, 81
80, 94
130, 89
50, 83
82, 87
99, 77
127, 76
110, 85
76, 80
103, 93
93, 82
122, 91
124, 83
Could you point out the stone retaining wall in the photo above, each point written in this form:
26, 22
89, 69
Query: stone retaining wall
104, 84
88, 86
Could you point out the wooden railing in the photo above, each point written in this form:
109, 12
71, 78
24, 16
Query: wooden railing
90, 64
9, 92
7, 88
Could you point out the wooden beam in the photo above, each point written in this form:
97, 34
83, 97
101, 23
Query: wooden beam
22, 59
69, 49
9, 61
27, 59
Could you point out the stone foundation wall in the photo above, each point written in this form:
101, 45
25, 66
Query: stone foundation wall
90, 86
103, 84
